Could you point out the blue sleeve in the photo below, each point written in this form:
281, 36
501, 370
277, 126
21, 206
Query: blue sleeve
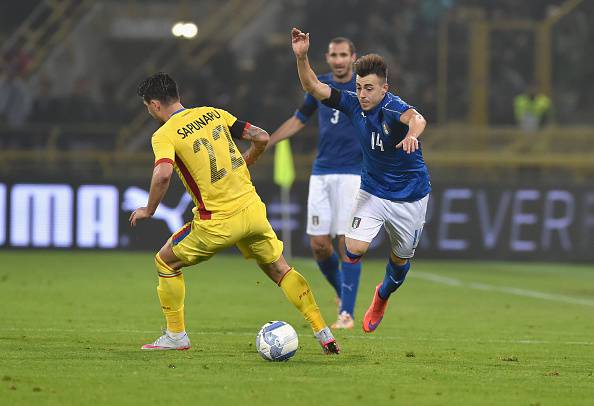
309, 106
343, 100
397, 106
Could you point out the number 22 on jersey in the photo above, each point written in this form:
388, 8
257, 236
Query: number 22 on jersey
217, 174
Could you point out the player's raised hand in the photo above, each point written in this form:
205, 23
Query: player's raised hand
409, 144
300, 42
140, 213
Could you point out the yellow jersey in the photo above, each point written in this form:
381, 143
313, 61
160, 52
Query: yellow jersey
198, 143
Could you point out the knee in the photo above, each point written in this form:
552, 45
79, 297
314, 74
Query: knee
355, 247
165, 269
397, 260
355, 250
321, 248
168, 259
276, 270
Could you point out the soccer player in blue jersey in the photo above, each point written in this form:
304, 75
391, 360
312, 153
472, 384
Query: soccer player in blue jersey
334, 181
394, 181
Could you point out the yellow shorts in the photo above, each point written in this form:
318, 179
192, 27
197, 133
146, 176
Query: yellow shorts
248, 229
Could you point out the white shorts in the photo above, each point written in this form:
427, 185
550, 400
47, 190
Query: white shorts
330, 203
403, 221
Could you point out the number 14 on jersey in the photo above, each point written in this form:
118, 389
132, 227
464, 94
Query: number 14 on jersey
376, 141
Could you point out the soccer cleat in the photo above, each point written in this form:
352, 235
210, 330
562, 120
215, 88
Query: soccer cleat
331, 347
375, 313
327, 341
344, 321
167, 342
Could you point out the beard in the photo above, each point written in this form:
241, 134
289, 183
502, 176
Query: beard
341, 76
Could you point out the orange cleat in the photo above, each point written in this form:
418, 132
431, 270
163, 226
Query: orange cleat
375, 313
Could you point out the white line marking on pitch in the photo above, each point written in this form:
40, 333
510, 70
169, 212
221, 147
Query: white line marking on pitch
501, 289
458, 340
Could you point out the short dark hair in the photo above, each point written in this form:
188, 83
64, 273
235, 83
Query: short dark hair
340, 40
159, 86
372, 63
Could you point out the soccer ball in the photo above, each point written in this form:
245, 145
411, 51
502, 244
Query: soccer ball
277, 341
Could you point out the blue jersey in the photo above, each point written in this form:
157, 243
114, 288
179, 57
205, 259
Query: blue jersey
338, 150
387, 172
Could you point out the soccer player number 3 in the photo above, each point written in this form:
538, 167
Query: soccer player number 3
217, 174
335, 116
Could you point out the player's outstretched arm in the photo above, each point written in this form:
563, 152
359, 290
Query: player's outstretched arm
259, 139
287, 129
416, 125
159, 185
308, 78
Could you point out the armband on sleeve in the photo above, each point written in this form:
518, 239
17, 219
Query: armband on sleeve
238, 128
334, 100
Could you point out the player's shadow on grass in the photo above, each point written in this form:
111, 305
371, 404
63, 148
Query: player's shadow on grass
351, 358
322, 359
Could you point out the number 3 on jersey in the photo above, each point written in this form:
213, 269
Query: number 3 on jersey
335, 116
376, 141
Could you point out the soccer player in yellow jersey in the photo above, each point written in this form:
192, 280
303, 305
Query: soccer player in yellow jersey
198, 144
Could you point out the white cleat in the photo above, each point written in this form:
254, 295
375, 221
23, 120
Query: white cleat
168, 342
327, 341
344, 321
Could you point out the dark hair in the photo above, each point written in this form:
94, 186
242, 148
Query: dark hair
159, 86
371, 63
340, 40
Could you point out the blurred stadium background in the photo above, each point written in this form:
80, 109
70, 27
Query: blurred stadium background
506, 87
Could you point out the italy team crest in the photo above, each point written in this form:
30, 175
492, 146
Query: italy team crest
386, 128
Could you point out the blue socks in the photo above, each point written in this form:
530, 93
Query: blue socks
350, 284
395, 275
329, 268
353, 257
345, 282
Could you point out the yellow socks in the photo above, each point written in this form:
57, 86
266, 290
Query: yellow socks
171, 291
298, 292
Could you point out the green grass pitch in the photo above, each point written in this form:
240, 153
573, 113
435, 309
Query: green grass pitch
457, 333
